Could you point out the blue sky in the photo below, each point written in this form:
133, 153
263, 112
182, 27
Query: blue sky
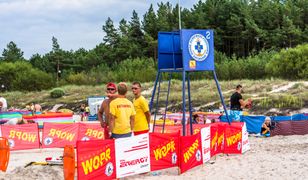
75, 23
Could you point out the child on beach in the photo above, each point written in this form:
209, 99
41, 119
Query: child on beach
266, 127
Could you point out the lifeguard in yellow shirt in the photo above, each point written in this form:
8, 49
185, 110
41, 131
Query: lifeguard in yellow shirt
122, 114
143, 115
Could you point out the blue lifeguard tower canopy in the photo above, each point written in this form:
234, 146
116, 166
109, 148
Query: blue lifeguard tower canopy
188, 50
185, 51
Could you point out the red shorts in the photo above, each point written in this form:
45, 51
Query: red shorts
140, 132
106, 132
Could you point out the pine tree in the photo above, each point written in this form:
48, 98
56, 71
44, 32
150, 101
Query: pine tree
12, 53
149, 23
123, 28
136, 37
163, 12
112, 37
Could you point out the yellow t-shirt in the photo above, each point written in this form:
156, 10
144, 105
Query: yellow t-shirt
141, 106
122, 109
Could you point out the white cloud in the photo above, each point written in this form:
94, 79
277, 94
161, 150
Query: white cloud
75, 23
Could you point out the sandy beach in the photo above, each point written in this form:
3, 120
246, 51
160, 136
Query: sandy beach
279, 157
18, 159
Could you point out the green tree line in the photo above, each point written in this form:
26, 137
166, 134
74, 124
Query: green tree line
289, 64
248, 36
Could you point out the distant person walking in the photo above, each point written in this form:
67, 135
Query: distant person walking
122, 114
104, 111
143, 115
82, 111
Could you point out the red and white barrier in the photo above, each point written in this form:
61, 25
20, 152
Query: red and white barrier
90, 131
155, 151
164, 150
217, 138
206, 143
233, 139
55, 135
245, 141
132, 155
109, 159
59, 135
190, 152
96, 159
24, 136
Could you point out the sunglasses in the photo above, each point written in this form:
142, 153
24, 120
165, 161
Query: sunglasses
134, 88
110, 89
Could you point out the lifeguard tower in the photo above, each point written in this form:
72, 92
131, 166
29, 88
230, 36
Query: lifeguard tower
184, 51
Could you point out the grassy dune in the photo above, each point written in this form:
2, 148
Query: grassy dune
266, 94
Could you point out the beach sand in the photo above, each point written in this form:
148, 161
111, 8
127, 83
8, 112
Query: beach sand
279, 157
18, 159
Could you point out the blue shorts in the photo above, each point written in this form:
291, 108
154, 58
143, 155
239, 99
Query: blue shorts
117, 136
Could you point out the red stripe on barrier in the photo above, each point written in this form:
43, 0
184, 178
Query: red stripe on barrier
43, 116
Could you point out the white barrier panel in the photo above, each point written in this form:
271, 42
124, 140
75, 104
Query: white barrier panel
206, 143
245, 141
132, 155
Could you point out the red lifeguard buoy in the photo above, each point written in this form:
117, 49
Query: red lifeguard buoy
69, 162
4, 153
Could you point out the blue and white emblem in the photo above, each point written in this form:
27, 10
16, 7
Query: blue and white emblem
109, 169
198, 155
48, 141
11, 143
174, 158
198, 47
239, 146
85, 138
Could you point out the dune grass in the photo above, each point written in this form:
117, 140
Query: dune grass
202, 92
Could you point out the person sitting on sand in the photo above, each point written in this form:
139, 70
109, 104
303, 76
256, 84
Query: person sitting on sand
196, 119
266, 127
18, 121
